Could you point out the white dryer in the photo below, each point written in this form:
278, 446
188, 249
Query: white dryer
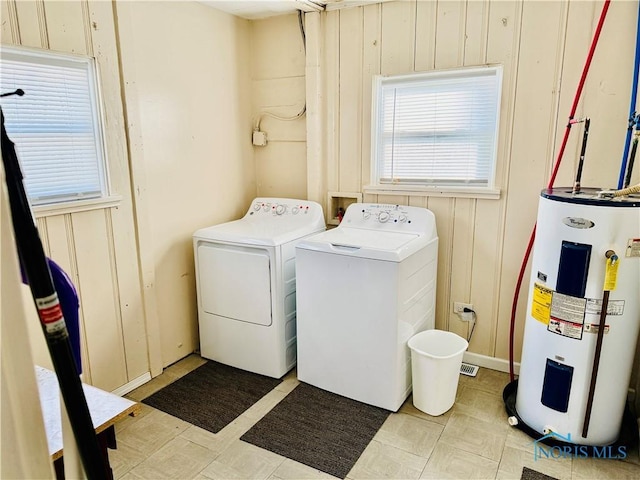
365, 288
246, 285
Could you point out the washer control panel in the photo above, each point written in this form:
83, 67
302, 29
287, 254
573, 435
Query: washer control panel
387, 217
385, 213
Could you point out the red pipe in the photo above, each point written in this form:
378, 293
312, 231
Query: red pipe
552, 180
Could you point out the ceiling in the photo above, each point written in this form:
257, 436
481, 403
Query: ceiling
256, 9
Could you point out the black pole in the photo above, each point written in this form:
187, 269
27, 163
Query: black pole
632, 158
585, 136
54, 328
610, 254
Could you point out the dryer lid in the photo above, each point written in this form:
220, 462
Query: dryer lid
268, 222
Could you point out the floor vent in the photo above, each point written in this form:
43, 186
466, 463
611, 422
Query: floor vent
470, 370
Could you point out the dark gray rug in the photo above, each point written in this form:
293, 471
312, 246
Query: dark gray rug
528, 474
212, 396
318, 428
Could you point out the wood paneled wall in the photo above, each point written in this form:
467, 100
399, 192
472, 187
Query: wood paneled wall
278, 87
95, 244
542, 47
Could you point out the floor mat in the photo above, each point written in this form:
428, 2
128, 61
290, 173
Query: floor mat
529, 474
318, 428
212, 396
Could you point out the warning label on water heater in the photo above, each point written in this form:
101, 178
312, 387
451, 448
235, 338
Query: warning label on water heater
541, 305
567, 315
633, 248
614, 307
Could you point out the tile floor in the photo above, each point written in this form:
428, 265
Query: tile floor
472, 440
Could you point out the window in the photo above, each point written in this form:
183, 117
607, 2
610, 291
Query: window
437, 129
55, 125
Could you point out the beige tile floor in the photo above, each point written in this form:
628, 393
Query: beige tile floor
472, 440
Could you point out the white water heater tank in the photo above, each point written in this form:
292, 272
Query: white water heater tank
574, 234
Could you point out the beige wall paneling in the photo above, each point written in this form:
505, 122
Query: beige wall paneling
463, 241
33, 24
9, 30
142, 354
418, 201
450, 29
370, 198
371, 40
284, 97
501, 26
398, 37
462, 48
453, 251
316, 134
476, 33
87, 28
606, 94
68, 28
426, 36
283, 32
580, 23
190, 143
98, 287
534, 100
61, 249
281, 169
350, 100
332, 98
144, 242
277, 177
278, 81
394, 199
426, 25
442, 208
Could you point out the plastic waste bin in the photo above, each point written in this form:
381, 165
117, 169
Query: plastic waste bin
436, 357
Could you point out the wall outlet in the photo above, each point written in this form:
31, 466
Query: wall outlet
458, 307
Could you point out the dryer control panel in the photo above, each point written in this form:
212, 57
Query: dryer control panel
388, 217
281, 207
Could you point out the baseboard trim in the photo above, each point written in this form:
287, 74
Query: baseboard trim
490, 362
132, 385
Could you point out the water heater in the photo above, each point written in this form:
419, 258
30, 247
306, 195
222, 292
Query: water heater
571, 382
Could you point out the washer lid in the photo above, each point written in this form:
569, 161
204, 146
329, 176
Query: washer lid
363, 243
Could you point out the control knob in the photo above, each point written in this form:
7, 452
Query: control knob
266, 207
280, 209
294, 210
366, 214
256, 207
383, 217
402, 218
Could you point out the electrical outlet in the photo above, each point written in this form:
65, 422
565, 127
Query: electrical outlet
458, 307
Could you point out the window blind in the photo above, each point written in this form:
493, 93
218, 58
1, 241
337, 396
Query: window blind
55, 125
438, 128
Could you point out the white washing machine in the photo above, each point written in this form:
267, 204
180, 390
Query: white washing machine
246, 285
365, 288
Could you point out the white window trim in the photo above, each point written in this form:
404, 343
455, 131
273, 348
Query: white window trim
433, 191
491, 191
69, 205
75, 206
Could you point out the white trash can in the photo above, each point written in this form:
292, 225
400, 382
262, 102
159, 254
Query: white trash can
436, 357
